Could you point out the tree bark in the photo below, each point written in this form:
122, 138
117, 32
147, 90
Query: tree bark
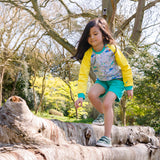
26, 136
123, 109
109, 11
137, 29
42, 92
2, 70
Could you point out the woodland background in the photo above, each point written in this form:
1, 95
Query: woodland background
38, 39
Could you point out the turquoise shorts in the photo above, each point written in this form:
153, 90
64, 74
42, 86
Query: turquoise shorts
116, 86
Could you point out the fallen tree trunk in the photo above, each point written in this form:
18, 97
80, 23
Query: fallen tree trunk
24, 136
86, 134
79, 152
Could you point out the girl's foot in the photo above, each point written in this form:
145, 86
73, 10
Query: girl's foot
99, 120
104, 142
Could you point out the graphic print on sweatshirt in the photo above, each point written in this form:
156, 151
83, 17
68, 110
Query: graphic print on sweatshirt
104, 65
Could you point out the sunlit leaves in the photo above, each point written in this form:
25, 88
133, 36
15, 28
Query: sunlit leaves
57, 94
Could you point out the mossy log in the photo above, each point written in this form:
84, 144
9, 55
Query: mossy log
24, 136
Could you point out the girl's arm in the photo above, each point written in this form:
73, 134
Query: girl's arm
126, 70
84, 73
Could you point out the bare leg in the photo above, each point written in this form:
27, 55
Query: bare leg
95, 91
108, 112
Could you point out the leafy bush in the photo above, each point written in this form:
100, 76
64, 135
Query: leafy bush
155, 123
82, 114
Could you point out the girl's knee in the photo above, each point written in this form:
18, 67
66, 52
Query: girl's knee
107, 105
92, 94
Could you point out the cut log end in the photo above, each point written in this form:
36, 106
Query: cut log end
15, 99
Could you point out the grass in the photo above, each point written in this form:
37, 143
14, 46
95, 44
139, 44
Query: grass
63, 118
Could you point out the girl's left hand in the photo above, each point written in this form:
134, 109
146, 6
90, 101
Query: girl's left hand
130, 94
79, 102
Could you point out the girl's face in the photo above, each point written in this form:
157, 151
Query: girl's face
95, 39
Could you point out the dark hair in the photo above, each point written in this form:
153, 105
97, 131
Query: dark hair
83, 44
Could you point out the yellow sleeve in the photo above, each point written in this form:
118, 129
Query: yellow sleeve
84, 73
125, 67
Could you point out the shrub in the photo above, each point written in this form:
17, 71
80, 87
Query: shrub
82, 114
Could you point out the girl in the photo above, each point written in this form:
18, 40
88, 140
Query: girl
97, 49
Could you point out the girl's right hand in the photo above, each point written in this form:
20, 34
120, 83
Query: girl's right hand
79, 102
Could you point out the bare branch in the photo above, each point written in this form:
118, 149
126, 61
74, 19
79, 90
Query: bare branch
23, 31
13, 3
76, 4
85, 15
126, 23
151, 26
44, 4
69, 12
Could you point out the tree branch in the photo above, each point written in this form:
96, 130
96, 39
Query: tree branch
125, 24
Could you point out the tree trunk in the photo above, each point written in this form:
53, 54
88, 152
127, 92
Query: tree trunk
72, 97
2, 70
109, 11
42, 92
14, 84
137, 29
26, 136
123, 109
34, 93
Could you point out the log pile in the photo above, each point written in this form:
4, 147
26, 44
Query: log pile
24, 136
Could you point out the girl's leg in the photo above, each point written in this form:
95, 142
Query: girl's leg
108, 112
95, 91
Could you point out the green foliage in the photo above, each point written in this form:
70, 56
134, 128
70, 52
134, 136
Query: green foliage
145, 107
18, 84
23, 90
57, 94
156, 124
64, 67
146, 78
82, 114
134, 111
